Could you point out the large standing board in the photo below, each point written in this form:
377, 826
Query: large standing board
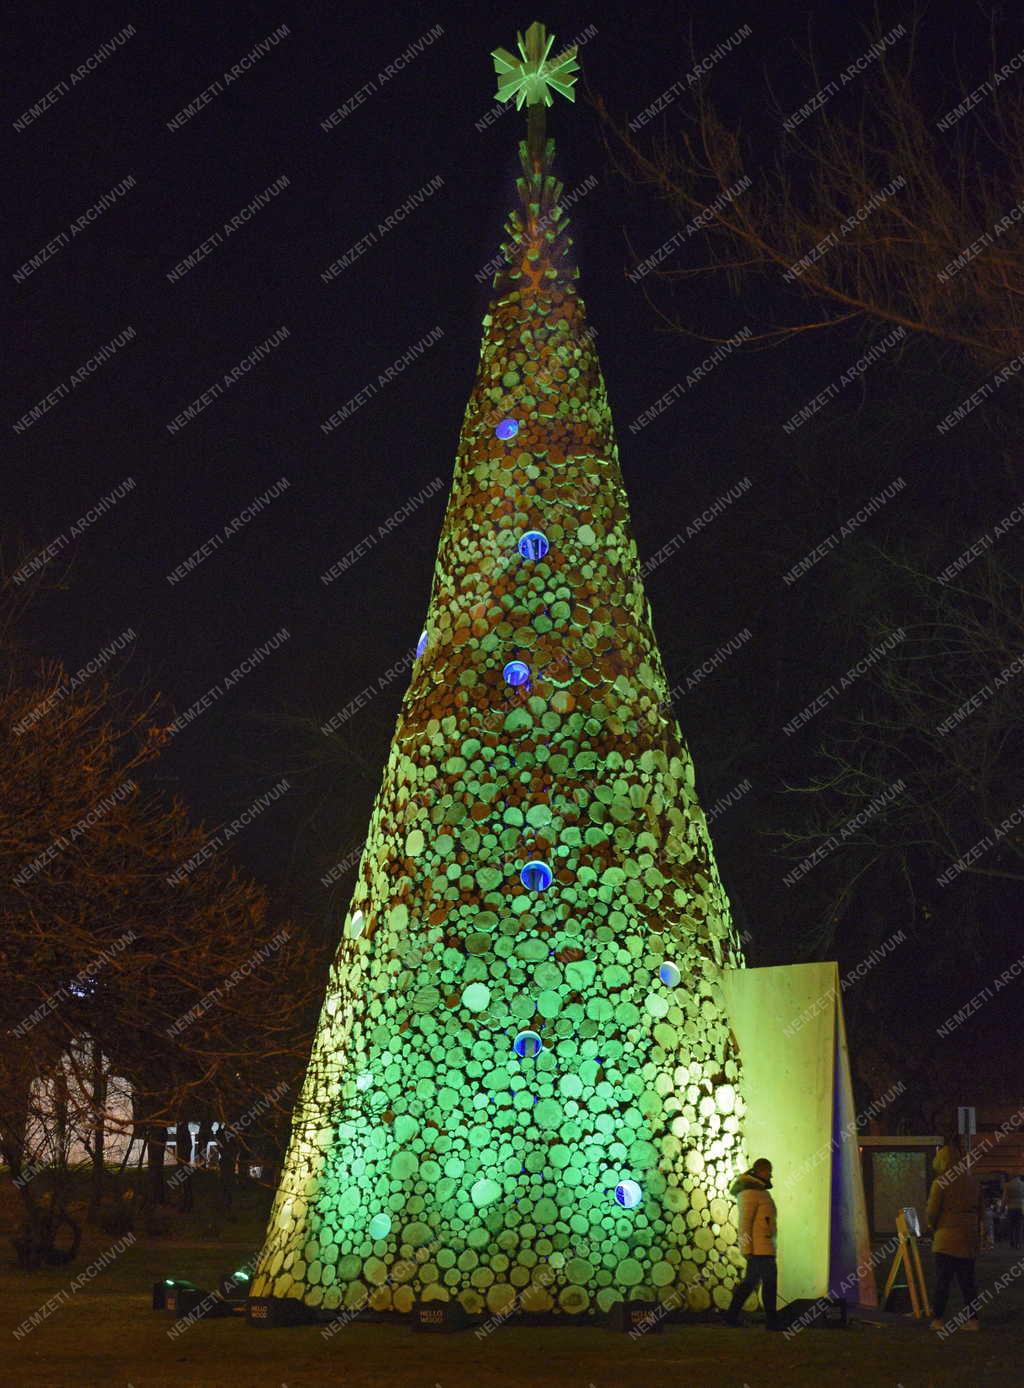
800, 1115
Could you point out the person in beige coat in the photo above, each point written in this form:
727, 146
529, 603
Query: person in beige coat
954, 1217
757, 1233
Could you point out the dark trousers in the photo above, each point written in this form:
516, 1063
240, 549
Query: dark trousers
762, 1270
946, 1268
1014, 1219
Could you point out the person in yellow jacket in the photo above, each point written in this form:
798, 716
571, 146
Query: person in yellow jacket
756, 1221
954, 1217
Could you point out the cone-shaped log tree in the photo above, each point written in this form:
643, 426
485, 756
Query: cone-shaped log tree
522, 1093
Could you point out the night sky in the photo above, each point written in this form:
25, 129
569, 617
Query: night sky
416, 126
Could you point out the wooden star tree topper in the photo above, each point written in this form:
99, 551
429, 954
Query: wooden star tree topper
533, 76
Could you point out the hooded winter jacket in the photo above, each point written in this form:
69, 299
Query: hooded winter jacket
757, 1227
953, 1207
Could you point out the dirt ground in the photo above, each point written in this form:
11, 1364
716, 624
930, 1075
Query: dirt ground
104, 1333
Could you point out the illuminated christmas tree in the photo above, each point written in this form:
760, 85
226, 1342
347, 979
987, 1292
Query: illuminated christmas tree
523, 1089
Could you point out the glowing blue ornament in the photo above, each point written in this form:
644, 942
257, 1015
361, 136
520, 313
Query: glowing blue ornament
533, 545
421, 644
380, 1226
669, 973
507, 429
536, 877
364, 1079
628, 1194
526, 1045
516, 672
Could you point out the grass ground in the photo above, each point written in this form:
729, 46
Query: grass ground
104, 1333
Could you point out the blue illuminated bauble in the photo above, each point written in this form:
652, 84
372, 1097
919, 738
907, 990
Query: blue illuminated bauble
507, 429
527, 1044
628, 1194
537, 877
669, 973
533, 545
516, 672
380, 1226
421, 644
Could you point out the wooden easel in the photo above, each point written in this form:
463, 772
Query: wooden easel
908, 1256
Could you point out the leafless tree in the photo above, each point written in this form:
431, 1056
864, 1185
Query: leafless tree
897, 263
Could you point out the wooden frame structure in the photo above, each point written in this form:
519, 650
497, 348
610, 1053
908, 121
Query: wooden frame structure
908, 1256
